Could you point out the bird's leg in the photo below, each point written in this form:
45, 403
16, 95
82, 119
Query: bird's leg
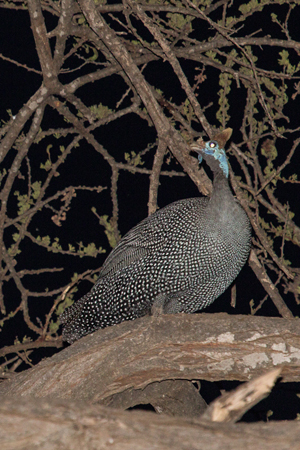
157, 308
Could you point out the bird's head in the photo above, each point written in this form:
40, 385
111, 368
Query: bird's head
214, 148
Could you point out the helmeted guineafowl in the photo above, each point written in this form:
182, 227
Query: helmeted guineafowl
180, 259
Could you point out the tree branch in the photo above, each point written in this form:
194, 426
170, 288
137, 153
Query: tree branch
43, 424
182, 346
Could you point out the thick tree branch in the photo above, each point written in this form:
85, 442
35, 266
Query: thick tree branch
43, 424
190, 347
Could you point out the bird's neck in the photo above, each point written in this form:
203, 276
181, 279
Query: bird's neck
221, 184
221, 201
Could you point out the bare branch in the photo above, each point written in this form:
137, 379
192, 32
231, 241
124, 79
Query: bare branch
231, 406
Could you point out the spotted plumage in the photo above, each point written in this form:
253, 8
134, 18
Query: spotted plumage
180, 259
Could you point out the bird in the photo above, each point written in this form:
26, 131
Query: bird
177, 260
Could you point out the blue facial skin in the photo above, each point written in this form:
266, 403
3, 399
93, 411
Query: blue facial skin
212, 148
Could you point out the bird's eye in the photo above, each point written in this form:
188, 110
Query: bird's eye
212, 144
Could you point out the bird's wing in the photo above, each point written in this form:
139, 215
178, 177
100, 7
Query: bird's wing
151, 233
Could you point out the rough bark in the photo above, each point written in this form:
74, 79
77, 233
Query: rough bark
171, 397
133, 355
42, 424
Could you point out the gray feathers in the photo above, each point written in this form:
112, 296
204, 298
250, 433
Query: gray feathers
180, 259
